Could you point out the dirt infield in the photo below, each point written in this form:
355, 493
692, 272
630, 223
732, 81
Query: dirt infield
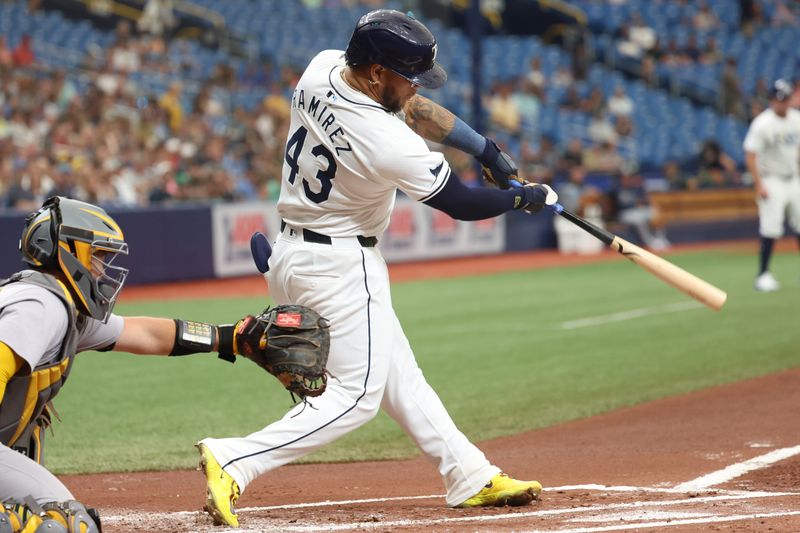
722, 459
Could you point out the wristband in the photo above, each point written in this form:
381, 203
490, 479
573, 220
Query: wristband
465, 138
193, 337
227, 343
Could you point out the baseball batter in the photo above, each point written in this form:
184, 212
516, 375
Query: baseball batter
354, 140
63, 305
772, 154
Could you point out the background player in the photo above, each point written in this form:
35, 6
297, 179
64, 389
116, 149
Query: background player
348, 152
61, 306
772, 154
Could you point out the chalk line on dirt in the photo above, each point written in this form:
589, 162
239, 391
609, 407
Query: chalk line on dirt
735, 470
282, 526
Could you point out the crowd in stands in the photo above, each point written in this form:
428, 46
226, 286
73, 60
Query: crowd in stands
639, 42
114, 144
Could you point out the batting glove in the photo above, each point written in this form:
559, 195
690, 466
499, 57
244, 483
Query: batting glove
498, 167
535, 196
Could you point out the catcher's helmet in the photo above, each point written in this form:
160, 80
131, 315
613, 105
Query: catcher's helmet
398, 42
80, 241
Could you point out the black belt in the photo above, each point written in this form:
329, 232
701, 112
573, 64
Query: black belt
319, 238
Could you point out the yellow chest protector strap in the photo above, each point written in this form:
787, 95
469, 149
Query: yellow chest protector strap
10, 364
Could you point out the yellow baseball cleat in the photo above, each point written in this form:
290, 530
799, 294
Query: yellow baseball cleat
222, 491
503, 490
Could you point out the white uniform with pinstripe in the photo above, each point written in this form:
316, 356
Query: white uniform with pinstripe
345, 159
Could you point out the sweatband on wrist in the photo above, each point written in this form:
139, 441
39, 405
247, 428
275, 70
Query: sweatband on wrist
463, 137
227, 348
193, 337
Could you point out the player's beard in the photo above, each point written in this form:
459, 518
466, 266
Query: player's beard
391, 100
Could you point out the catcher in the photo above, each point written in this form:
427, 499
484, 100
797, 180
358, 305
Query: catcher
63, 305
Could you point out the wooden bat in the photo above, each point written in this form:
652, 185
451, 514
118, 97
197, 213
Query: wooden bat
700, 290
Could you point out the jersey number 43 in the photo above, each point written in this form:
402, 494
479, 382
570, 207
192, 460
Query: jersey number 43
294, 148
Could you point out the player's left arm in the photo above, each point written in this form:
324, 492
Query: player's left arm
433, 122
146, 335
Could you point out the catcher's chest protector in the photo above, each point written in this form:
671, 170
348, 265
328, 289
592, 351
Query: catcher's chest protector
26, 396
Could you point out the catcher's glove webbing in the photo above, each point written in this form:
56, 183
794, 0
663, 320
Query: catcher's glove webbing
291, 342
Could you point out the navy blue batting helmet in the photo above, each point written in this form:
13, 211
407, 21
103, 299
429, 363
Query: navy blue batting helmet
398, 42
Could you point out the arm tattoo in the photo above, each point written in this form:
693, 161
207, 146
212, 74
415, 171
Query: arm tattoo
428, 119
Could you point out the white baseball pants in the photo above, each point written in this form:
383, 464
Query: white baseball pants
783, 200
373, 364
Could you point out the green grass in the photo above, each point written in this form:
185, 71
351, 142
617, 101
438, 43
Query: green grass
492, 347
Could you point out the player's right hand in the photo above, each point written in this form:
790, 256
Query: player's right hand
536, 196
498, 167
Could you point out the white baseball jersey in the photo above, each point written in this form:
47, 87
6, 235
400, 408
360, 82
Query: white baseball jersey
776, 141
347, 155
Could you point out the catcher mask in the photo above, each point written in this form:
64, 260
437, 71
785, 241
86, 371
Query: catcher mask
81, 242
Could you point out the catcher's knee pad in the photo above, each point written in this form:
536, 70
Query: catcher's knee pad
12, 517
60, 517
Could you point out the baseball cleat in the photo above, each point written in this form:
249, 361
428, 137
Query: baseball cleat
766, 282
222, 491
503, 490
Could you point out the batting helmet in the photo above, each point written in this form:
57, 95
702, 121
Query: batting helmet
80, 241
398, 42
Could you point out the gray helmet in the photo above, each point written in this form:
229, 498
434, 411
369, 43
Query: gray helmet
398, 42
80, 241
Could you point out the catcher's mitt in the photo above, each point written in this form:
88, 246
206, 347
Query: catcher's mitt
291, 342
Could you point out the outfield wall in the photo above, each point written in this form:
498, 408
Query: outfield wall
185, 242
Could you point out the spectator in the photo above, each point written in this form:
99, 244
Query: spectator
641, 34
571, 100
731, 95
6, 55
562, 77
604, 158
712, 54
157, 17
620, 104
704, 18
171, 102
503, 111
535, 74
594, 102
586, 201
691, 51
528, 103
715, 168
600, 128
676, 179
23, 55
572, 155
64, 183
783, 15
623, 127
633, 208
541, 161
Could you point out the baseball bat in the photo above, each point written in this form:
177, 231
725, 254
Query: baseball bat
699, 289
